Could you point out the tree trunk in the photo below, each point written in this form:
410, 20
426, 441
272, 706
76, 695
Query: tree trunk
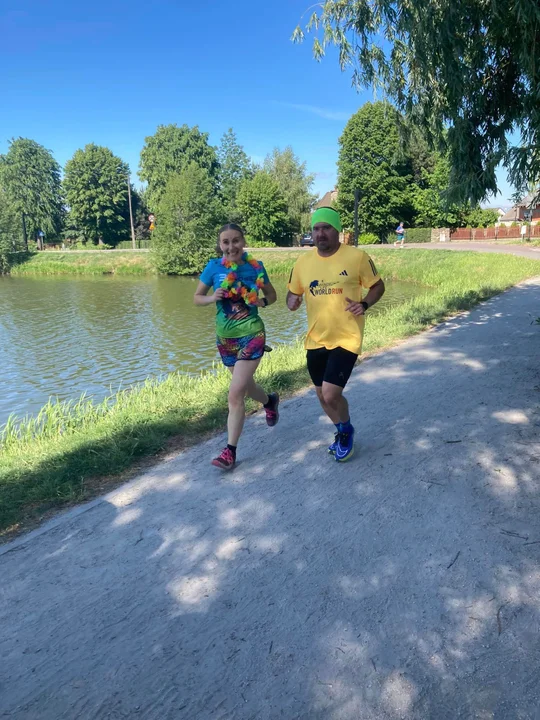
25, 235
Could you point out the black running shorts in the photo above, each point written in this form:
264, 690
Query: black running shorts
331, 366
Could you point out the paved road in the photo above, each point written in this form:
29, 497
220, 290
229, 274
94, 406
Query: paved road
404, 584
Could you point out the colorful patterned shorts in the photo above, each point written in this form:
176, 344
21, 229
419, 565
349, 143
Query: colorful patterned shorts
250, 347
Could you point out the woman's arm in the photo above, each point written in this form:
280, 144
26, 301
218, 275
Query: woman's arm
269, 293
201, 296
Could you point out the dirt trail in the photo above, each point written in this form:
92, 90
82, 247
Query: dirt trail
404, 584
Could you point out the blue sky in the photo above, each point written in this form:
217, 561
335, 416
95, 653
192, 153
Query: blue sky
110, 72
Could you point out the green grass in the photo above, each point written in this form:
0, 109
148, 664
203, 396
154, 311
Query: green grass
100, 262
54, 458
534, 242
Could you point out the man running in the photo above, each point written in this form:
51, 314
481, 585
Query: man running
331, 279
400, 235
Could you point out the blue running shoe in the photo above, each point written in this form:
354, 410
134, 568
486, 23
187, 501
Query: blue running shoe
333, 446
344, 446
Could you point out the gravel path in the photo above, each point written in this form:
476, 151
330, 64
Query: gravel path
404, 584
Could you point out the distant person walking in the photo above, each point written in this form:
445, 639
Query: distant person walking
331, 279
236, 279
400, 234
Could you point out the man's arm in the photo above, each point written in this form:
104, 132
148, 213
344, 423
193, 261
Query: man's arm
375, 293
293, 301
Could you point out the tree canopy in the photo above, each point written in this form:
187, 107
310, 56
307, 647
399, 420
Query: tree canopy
263, 210
295, 184
468, 71
169, 151
10, 231
187, 222
234, 168
371, 161
30, 177
96, 190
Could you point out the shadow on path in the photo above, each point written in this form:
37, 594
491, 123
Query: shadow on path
404, 584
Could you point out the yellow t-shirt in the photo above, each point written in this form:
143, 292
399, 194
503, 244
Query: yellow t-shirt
326, 282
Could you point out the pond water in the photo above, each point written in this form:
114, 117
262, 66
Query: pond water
62, 336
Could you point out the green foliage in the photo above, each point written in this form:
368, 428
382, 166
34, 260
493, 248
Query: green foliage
263, 210
467, 66
478, 217
413, 235
418, 235
260, 243
368, 239
421, 157
187, 221
234, 168
30, 177
433, 207
371, 161
295, 184
141, 212
168, 152
10, 232
95, 184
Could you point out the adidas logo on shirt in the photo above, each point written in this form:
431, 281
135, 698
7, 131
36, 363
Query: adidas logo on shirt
344, 273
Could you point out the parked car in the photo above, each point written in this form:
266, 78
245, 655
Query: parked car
307, 240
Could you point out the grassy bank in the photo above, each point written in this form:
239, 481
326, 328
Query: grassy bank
131, 262
62, 455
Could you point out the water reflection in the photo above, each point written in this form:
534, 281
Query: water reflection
65, 336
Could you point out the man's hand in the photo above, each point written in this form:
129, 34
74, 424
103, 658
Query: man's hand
293, 301
356, 308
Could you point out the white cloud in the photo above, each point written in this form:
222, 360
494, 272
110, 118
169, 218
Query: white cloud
321, 112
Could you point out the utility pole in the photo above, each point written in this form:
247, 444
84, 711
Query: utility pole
131, 214
356, 201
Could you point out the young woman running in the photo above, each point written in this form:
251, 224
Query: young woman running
235, 280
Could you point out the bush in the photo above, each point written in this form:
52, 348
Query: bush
260, 243
413, 235
368, 239
128, 245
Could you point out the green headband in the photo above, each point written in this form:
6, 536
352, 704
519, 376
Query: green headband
328, 216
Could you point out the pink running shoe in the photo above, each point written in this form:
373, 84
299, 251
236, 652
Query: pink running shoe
272, 413
225, 461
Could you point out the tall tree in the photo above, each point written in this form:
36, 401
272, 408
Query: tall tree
30, 177
187, 221
140, 214
433, 207
96, 190
264, 210
10, 231
168, 152
371, 161
234, 168
463, 64
295, 184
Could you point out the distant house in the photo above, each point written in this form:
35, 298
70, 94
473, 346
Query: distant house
327, 200
527, 209
501, 212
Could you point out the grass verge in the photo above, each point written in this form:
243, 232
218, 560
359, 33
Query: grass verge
99, 262
62, 455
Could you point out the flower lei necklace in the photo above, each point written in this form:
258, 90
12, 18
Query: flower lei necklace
236, 288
